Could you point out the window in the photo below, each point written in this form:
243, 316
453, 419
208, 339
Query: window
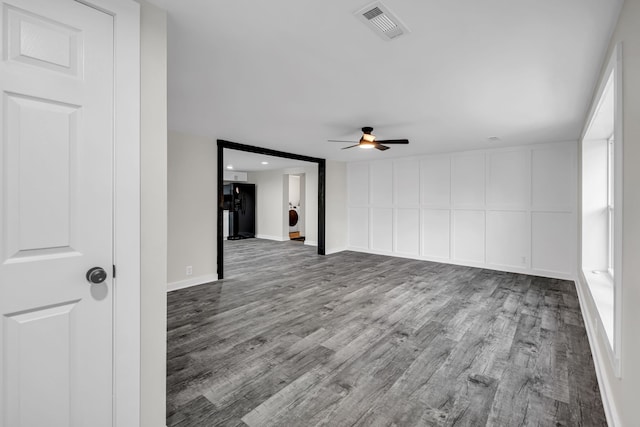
602, 148
610, 205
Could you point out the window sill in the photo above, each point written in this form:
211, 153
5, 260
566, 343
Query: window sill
601, 287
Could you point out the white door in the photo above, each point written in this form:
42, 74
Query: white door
56, 188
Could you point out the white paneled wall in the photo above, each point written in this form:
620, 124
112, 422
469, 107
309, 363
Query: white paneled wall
468, 233
511, 209
359, 228
382, 223
407, 233
436, 242
468, 180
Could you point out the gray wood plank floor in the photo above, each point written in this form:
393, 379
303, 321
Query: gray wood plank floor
291, 338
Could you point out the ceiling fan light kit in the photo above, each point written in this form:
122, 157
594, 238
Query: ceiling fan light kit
366, 145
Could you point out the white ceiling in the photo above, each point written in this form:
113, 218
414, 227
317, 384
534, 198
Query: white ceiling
290, 74
250, 162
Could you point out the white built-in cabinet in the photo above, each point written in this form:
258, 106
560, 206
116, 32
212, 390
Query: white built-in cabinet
510, 209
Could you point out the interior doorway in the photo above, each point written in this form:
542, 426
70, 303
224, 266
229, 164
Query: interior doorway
222, 144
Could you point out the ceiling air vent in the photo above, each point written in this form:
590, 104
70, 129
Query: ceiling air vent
382, 21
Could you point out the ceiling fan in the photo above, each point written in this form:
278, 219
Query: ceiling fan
368, 140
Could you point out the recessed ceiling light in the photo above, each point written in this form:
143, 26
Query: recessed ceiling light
265, 163
229, 166
493, 139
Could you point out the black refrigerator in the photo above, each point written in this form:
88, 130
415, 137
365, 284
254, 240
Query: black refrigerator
240, 201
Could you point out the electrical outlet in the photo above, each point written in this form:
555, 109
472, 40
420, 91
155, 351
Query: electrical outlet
189, 270
524, 260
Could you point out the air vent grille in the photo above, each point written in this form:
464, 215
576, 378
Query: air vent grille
372, 13
382, 21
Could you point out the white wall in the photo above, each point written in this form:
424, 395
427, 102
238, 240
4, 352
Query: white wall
302, 209
153, 211
335, 207
620, 394
192, 213
511, 209
294, 190
311, 202
296, 202
235, 176
270, 204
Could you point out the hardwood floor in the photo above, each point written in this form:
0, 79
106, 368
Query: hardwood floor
291, 338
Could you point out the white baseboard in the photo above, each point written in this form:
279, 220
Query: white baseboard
195, 281
268, 237
334, 250
610, 410
496, 267
311, 243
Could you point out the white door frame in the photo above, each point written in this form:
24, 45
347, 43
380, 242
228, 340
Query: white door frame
126, 203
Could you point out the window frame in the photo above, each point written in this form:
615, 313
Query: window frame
611, 205
608, 272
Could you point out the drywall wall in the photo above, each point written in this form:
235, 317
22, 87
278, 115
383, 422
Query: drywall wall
302, 209
302, 226
311, 202
510, 209
192, 189
296, 202
270, 204
294, 190
336, 207
153, 212
620, 394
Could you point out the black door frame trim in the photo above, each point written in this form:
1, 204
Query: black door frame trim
222, 144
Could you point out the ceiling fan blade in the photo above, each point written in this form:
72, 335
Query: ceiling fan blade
351, 146
381, 147
393, 141
339, 140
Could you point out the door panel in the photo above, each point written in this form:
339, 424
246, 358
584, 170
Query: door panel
37, 40
40, 140
56, 192
27, 334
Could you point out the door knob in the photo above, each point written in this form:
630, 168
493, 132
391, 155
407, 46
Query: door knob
96, 275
